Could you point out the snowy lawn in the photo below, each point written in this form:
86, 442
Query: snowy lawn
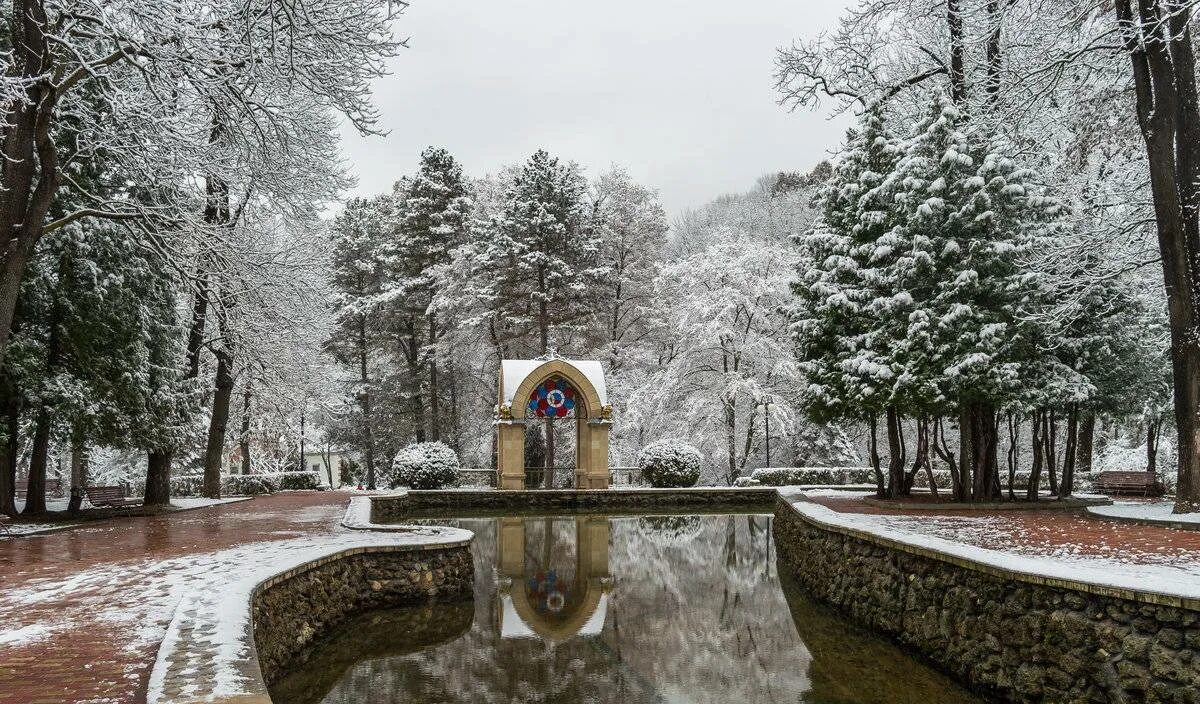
1146, 511
1035, 548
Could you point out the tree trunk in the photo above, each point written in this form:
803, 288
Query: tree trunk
1159, 45
896, 458
435, 418
1014, 440
35, 491
981, 417
966, 453
455, 431
1067, 485
158, 478
244, 440
731, 438
920, 460
29, 174
958, 74
1038, 427
873, 451
1050, 437
1087, 438
214, 452
412, 357
79, 462
364, 401
942, 450
992, 86
1152, 439
10, 448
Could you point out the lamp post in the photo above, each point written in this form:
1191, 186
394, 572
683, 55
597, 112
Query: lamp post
766, 406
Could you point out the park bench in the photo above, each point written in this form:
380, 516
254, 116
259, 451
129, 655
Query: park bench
1144, 483
53, 487
113, 496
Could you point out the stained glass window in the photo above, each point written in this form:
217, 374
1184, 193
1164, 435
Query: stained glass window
553, 398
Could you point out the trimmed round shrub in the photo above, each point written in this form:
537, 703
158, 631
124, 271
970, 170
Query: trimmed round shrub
669, 463
424, 465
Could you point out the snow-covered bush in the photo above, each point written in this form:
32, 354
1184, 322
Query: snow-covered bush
294, 481
246, 485
424, 465
831, 476
669, 463
187, 485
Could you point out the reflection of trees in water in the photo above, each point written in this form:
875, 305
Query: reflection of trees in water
669, 530
698, 619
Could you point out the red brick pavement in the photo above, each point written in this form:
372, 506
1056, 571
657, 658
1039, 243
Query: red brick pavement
1049, 532
94, 601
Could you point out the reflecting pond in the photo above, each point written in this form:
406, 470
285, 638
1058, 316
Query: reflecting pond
585, 608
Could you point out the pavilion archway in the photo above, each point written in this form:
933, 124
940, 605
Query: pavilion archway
554, 387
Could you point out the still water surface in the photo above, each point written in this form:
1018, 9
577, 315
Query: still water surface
617, 609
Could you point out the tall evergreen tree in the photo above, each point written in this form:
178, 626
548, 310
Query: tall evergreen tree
849, 309
969, 214
432, 217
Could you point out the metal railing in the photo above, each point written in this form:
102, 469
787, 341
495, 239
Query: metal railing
535, 477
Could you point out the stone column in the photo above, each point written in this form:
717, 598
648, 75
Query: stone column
596, 449
510, 454
582, 453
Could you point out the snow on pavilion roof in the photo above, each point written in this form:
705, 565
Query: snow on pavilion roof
515, 371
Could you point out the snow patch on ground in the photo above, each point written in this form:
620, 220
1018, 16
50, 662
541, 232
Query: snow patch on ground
1154, 511
26, 635
1173, 573
16, 530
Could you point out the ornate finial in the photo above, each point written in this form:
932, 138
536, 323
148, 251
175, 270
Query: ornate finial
504, 412
551, 350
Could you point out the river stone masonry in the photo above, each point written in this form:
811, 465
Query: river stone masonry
1014, 637
292, 611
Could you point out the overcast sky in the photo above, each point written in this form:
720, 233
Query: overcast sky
677, 92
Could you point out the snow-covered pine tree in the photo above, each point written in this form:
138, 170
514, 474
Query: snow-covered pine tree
96, 352
546, 263
849, 306
358, 236
968, 212
432, 217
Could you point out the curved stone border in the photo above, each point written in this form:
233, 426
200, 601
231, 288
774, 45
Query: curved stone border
1070, 504
1016, 635
208, 653
995, 563
1145, 520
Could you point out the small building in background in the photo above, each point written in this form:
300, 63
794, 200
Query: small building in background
332, 462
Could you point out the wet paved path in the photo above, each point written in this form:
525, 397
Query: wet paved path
82, 611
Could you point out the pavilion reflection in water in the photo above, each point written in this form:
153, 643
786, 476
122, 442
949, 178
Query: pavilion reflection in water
544, 591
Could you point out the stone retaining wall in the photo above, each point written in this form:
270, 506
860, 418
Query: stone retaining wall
1012, 636
443, 504
294, 610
